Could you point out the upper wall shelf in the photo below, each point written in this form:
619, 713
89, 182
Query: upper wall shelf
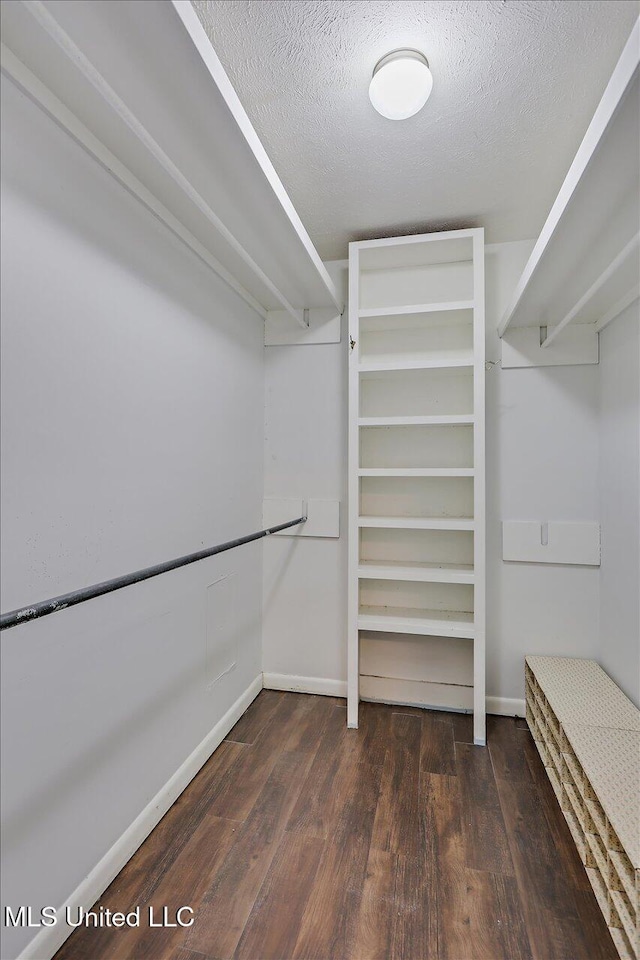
584, 267
140, 88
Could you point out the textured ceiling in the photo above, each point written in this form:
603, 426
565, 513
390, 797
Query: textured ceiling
516, 83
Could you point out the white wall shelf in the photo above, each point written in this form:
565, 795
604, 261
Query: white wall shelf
585, 262
177, 139
416, 465
416, 472
423, 572
427, 362
429, 623
415, 421
417, 523
418, 308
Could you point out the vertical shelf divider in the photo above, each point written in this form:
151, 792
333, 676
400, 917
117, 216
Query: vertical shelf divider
353, 645
479, 494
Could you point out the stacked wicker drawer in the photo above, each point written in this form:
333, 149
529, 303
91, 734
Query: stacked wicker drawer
588, 735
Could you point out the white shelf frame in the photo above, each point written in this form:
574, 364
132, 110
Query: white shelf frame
474, 359
416, 472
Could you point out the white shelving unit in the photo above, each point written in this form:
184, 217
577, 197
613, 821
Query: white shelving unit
416, 467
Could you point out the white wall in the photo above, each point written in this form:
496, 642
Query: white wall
305, 455
132, 427
542, 462
620, 500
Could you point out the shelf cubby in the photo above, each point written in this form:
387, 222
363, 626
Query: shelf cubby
407, 546
450, 497
433, 336
434, 392
588, 736
426, 608
428, 447
404, 274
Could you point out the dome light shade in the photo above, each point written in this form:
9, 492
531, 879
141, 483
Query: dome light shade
401, 84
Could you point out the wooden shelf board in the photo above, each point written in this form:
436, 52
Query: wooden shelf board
462, 418
434, 623
417, 523
415, 472
412, 361
417, 308
423, 572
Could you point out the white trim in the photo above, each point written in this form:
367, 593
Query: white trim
321, 685
505, 707
49, 940
498, 706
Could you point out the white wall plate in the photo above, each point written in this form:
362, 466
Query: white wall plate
521, 347
530, 541
323, 517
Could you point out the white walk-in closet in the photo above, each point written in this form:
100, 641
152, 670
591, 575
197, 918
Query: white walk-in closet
320, 502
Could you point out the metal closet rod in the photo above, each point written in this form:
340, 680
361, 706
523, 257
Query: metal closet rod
37, 610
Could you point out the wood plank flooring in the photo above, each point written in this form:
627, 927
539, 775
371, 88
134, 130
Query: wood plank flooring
300, 839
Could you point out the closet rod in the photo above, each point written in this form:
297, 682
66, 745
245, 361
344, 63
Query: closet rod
42, 609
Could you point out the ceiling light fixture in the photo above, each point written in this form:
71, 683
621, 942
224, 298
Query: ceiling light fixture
401, 84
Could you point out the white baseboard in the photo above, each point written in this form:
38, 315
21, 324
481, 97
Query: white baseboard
505, 707
45, 944
325, 687
500, 706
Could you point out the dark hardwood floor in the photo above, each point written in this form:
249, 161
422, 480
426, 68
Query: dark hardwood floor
302, 839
